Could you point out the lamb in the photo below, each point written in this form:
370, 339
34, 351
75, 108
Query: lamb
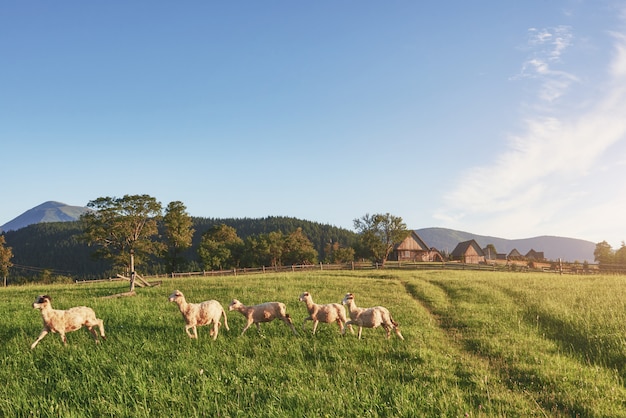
265, 312
370, 317
62, 321
332, 312
197, 314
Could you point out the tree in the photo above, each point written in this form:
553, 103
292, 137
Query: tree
297, 249
6, 254
335, 253
220, 247
620, 257
123, 229
178, 233
380, 233
603, 254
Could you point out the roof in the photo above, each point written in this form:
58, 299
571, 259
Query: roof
461, 248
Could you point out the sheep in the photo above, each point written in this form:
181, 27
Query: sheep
62, 321
370, 317
197, 314
332, 312
265, 312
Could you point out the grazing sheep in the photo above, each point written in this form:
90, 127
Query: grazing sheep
265, 312
56, 320
329, 313
370, 317
197, 314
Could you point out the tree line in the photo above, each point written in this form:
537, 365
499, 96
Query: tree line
608, 258
134, 232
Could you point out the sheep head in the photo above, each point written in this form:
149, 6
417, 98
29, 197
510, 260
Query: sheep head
303, 297
176, 296
41, 301
234, 305
349, 297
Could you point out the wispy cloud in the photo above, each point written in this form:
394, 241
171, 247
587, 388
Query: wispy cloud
535, 181
547, 46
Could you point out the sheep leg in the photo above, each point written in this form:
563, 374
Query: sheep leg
360, 330
315, 322
225, 321
94, 333
287, 320
43, 334
304, 322
248, 326
194, 331
101, 328
397, 330
63, 337
216, 329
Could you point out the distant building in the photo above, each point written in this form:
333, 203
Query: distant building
468, 252
515, 255
533, 255
413, 248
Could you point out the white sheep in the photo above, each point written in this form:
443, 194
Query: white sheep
329, 313
265, 312
62, 321
197, 314
370, 317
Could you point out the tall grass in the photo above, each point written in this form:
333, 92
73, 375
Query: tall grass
477, 344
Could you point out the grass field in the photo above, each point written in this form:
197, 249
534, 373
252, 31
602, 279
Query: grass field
478, 344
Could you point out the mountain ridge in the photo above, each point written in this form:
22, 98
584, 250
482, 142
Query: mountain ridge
50, 211
444, 239
553, 247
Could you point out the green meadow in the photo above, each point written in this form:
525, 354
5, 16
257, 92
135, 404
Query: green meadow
477, 344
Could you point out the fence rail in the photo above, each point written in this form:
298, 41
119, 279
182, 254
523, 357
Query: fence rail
390, 265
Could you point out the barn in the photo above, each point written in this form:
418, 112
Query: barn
413, 248
468, 252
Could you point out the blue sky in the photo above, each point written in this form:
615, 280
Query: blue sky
499, 118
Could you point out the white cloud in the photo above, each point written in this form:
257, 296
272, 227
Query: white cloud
534, 186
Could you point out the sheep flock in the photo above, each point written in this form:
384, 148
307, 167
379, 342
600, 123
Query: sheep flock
211, 313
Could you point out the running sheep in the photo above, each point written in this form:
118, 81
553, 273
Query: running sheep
62, 321
370, 317
197, 314
265, 312
329, 313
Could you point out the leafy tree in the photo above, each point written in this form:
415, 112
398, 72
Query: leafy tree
178, 233
603, 254
123, 229
297, 249
6, 254
220, 247
380, 233
620, 256
335, 253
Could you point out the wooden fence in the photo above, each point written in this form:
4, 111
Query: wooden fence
390, 265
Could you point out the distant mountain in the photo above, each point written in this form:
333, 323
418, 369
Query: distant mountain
46, 212
567, 249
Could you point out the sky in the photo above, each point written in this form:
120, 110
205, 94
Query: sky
500, 118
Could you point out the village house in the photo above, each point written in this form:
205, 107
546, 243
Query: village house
413, 248
468, 252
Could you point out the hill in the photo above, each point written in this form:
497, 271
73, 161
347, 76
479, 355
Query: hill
46, 212
568, 249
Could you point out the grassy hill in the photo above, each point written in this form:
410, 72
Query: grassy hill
478, 344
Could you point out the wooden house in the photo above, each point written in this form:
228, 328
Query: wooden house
535, 255
413, 248
515, 255
468, 252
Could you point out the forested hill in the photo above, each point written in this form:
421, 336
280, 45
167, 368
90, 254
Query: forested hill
57, 247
